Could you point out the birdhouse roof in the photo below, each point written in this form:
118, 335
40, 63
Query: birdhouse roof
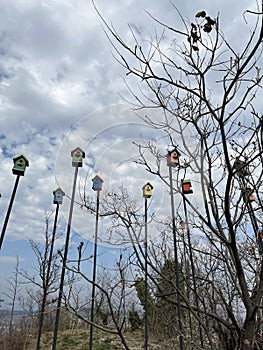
57, 190
78, 149
172, 149
23, 157
186, 180
148, 184
97, 177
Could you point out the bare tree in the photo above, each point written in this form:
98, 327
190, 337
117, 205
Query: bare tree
12, 294
43, 282
206, 90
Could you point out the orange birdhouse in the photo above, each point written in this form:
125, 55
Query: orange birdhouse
250, 194
173, 157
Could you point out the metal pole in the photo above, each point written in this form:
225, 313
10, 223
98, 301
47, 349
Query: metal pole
193, 273
9, 210
146, 277
179, 311
94, 271
45, 293
64, 261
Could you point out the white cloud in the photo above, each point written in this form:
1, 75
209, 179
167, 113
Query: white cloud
9, 259
57, 75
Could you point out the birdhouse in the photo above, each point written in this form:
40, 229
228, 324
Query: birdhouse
147, 190
250, 194
58, 196
173, 157
186, 187
20, 164
97, 183
182, 224
77, 156
241, 167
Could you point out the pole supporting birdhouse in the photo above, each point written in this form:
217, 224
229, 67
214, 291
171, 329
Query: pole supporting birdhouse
57, 200
66, 249
177, 279
20, 164
96, 186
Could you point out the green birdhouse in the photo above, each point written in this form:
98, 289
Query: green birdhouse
20, 164
77, 156
147, 190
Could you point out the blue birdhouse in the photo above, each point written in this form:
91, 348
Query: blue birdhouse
187, 186
58, 196
77, 155
97, 183
147, 190
173, 157
20, 164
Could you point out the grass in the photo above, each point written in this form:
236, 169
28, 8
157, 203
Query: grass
79, 340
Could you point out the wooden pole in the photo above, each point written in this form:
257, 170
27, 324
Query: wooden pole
64, 262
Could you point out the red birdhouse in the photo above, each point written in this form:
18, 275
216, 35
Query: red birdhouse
186, 187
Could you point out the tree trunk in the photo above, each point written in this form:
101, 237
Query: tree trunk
248, 333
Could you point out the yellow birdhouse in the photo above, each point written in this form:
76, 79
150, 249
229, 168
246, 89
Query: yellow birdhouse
147, 190
20, 164
77, 156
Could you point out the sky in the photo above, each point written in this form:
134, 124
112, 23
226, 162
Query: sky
60, 88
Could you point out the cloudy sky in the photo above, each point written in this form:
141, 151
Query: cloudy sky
60, 88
